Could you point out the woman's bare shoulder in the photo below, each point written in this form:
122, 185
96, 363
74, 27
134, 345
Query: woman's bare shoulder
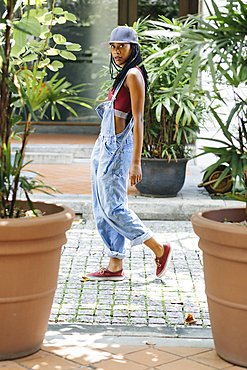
135, 75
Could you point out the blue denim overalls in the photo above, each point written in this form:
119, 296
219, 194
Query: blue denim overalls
110, 163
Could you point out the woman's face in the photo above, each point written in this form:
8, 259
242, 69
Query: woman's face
120, 53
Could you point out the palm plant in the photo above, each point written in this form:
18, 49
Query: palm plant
218, 45
24, 89
173, 117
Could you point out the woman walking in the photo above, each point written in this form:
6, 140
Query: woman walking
116, 158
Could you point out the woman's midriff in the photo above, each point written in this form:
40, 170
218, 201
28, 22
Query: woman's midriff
120, 124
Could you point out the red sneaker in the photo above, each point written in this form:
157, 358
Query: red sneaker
163, 261
104, 274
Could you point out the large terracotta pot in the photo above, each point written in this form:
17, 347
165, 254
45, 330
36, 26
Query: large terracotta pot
161, 178
30, 250
224, 249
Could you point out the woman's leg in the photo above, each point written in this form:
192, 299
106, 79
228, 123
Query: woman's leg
163, 255
115, 264
156, 247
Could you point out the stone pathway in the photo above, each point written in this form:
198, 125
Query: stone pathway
140, 299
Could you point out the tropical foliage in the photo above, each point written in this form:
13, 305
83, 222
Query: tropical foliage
26, 44
168, 8
219, 47
172, 116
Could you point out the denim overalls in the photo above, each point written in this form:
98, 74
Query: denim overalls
110, 163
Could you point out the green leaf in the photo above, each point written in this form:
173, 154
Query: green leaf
38, 13
236, 197
17, 50
59, 39
52, 52
31, 24
61, 20
179, 113
48, 17
34, 43
243, 73
158, 112
29, 58
54, 66
44, 63
58, 10
70, 17
67, 55
223, 127
73, 47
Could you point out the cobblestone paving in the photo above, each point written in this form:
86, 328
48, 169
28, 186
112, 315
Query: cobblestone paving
140, 299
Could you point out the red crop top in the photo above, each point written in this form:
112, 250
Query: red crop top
122, 103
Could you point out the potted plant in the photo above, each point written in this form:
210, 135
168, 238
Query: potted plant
173, 117
220, 45
30, 247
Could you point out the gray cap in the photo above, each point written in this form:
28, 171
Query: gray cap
123, 34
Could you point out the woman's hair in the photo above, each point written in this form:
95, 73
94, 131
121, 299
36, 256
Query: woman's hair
134, 60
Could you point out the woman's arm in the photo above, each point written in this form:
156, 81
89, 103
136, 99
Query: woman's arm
136, 86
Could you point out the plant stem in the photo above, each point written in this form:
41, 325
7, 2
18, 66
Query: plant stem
5, 74
24, 143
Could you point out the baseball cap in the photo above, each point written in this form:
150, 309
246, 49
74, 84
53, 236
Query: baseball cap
123, 34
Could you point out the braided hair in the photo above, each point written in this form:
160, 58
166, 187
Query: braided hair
134, 60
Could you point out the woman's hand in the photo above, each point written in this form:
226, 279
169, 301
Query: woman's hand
135, 173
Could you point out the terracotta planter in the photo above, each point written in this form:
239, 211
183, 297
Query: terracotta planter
30, 251
224, 249
161, 178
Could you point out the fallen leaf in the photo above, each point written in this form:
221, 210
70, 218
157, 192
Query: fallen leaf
176, 301
31, 214
78, 222
190, 319
84, 278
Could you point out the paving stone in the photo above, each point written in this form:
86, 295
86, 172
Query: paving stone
138, 313
85, 320
102, 320
121, 320
139, 321
155, 320
103, 312
85, 312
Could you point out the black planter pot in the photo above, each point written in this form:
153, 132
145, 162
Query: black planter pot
161, 178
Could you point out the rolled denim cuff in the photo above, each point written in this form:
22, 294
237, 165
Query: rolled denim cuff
115, 254
141, 239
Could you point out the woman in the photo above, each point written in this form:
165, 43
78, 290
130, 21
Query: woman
117, 157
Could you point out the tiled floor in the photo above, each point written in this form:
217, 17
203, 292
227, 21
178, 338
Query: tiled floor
67, 178
119, 357
61, 139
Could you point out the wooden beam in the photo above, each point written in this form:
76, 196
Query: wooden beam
127, 12
188, 7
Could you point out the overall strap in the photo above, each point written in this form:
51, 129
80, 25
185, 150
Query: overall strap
118, 88
118, 150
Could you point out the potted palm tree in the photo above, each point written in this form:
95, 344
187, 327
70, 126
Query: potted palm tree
219, 43
30, 247
172, 117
